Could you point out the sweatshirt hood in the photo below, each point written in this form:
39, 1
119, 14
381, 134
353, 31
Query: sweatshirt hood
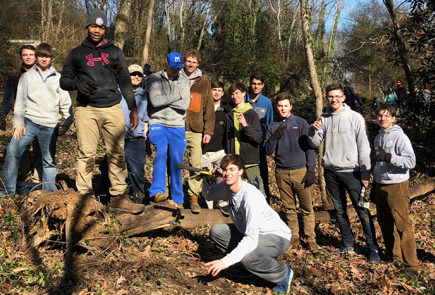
88, 43
393, 129
193, 79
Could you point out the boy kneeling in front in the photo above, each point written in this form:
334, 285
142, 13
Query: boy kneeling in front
257, 236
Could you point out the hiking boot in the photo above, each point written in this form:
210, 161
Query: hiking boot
312, 246
138, 197
294, 244
123, 204
158, 198
374, 256
346, 249
284, 288
194, 205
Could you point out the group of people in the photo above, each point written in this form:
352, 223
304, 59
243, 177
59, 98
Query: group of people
180, 111
398, 97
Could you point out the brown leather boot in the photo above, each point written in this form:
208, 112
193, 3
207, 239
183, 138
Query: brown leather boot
312, 246
194, 205
123, 204
294, 244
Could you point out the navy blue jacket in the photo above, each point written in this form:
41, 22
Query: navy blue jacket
292, 150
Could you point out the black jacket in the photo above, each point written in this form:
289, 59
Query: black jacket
105, 65
217, 141
250, 137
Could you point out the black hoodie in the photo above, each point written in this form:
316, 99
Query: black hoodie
105, 65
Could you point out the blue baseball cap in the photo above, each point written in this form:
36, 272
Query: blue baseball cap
175, 60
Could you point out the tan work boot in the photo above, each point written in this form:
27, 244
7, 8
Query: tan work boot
194, 205
123, 204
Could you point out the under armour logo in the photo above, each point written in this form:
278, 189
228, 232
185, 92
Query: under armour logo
91, 59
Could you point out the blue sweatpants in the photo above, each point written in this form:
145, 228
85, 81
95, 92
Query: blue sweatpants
173, 140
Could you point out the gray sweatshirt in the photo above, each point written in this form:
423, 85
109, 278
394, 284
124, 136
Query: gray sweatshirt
39, 98
395, 142
251, 215
197, 74
169, 100
346, 146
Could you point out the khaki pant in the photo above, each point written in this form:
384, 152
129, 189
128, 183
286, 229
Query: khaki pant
194, 155
289, 185
392, 206
91, 123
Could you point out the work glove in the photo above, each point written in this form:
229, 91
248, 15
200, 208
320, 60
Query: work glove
85, 86
381, 155
277, 134
309, 178
3, 122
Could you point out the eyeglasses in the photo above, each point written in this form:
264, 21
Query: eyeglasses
335, 97
139, 74
256, 84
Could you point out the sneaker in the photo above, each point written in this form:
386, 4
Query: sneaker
180, 206
158, 198
346, 249
374, 256
194, 205
224, 207
284, 288
123, 204
312, 246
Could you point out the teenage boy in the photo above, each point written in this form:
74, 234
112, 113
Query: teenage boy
28, 60
394, 157
169, 97
295, 165
214, 151
257, 235
263, 107
97, 69
199, 121
29, 160
36, 114
346, 159
243, 134
135, 147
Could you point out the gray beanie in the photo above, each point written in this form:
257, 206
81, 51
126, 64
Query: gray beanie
96, 17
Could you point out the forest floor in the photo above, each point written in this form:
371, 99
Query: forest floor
171, 261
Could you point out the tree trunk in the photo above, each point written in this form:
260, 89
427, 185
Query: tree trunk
327, 68
314, 84
146, 48
121, 23
204, 25
401, 48
168, 24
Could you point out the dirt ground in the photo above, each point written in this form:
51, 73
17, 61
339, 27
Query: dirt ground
171, 261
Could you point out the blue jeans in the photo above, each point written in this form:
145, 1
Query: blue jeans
47, 137
338, 183
173, 140
135, 156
